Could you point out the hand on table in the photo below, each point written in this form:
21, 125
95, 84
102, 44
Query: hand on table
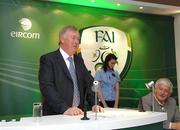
97, 108
73, 111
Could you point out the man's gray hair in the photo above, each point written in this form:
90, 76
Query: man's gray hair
67, 28
63, 31
164, 81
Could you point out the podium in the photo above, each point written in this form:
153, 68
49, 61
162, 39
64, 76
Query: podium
123, 119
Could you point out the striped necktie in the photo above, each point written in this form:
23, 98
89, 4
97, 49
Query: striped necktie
76, 97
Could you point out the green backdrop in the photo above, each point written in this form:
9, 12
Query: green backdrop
152, 38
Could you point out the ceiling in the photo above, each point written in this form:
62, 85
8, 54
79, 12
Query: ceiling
159, 7
165, 2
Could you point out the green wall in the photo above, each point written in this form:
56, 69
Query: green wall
152, 38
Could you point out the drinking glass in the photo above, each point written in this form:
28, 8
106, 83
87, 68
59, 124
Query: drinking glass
37, 109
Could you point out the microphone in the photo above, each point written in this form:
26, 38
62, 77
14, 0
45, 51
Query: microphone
151, 85
95, 88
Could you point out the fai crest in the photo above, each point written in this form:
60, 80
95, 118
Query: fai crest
97, 42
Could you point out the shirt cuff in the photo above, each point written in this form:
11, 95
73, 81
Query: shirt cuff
170, 125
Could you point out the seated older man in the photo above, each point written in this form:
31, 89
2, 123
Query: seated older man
163, 103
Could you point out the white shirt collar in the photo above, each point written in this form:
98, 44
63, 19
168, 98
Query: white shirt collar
64, 54
65, 57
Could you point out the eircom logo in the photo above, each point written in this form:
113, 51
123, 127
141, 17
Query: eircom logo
26, 25
97, 42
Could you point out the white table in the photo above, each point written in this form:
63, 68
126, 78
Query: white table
110, 119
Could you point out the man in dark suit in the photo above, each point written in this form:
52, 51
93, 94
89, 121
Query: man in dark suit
63, 92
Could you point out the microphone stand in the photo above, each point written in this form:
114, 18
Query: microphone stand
153, 99
85, 109
95, 89
96, 105
151, 85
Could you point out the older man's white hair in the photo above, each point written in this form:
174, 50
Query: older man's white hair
166, 82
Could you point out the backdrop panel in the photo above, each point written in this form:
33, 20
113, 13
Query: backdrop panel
30, 28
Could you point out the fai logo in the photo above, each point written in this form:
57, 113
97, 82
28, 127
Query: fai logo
97, 42
25, 24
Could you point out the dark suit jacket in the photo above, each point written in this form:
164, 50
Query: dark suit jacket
56, 84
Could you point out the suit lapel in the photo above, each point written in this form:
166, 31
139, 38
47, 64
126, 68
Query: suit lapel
62, 64
78, 74
77, 66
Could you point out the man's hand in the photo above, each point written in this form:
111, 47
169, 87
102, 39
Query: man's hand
73, 111
97, 108
175, 125
115, 106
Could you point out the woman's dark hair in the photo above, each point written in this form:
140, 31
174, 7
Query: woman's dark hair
107, 59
